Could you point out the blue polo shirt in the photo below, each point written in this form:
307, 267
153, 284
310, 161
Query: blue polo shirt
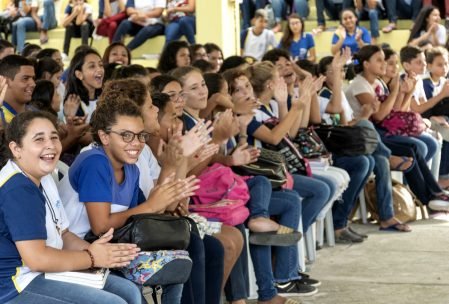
350, 40
300, 49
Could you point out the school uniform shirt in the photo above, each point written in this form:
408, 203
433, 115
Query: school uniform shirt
262, 114
115, 8
441, 34
176, 3
27, 212
431, 88
358, 86
350, 40
86, 8
256, 45
91, 179
188, 120
300, 49
324, 97
7, 113
419, 94
145, 6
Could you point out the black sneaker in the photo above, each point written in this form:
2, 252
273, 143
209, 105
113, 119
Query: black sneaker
309, 281
294, 288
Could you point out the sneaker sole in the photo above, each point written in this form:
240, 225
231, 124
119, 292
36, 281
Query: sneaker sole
439, 206
297, 294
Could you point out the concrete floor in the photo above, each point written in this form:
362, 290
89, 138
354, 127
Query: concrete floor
396, 268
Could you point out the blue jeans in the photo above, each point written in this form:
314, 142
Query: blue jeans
426, 145
140, 33
49, 17
301, 7
400, 8
247, 8
204, 284
444, 164
237, 286
286, 206
42, 291
373, 16
332, 9
382, 175
184, 26
260, 191
420, 180
315, 195
359, 169
27, 24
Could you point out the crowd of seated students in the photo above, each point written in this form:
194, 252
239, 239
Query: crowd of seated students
137, 139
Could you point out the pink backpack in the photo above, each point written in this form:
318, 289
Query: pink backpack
222, 196
403, 123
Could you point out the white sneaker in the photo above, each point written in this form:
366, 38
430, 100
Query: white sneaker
439, 205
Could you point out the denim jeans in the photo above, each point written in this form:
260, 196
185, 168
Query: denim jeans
117, 290
420, 180
359, 169
382, 175
204, 284
49, 17
237, 286
171, 294
400, 8
315, 195
140, 33
332, 9
184, 26
286, 206
373, 16
444, 164
247, 8
260, 194
301, 7
426, 145
27, 24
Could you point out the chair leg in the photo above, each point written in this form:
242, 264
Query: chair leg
329, 224
310, 244
362, 207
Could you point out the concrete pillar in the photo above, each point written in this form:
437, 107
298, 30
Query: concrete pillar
218, 21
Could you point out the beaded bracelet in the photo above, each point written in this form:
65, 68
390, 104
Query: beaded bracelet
92, 260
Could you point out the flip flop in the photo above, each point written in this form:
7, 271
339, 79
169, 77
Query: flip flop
395, 228
272, 238
399, 166
388, 29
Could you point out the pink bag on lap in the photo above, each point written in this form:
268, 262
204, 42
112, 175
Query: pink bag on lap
222, 196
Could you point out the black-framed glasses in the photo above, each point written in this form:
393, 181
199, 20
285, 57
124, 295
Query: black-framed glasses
128, 136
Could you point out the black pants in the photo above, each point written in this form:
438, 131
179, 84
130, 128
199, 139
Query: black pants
84, 31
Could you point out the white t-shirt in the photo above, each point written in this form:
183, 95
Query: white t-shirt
257, 46
145, 6
358, 86
441, 34
419, 93
347, 110
149, 170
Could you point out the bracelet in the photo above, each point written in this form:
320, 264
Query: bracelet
92, 260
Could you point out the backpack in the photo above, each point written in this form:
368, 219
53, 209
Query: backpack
403, 123
404, 202
222, 196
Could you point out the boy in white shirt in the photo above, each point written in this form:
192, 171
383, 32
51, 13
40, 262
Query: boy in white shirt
256, 40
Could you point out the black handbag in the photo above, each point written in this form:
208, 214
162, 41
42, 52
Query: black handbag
310, 144
348, 140
270, 164
152, 232
295, 161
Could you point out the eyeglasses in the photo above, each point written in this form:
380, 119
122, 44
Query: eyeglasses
129, 136
175, 97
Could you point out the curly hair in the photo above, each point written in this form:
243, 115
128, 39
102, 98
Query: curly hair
106, 113
128, 88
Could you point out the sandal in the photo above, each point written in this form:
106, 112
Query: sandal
389, 28
401, 166
275, 238
397, 227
